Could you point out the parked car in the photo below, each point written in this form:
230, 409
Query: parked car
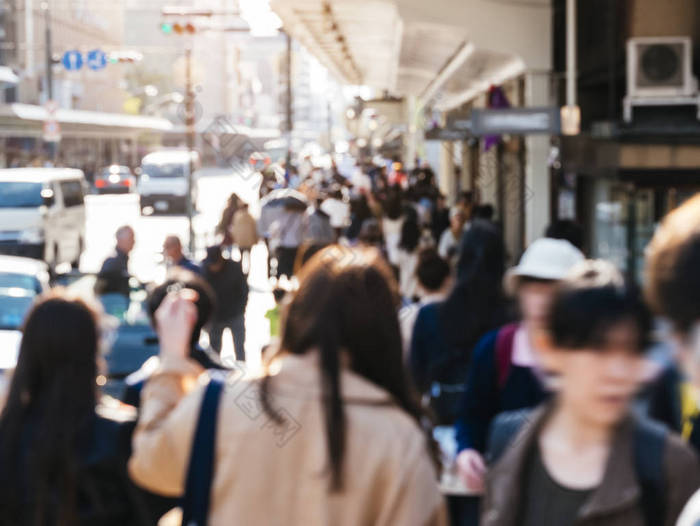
115, 179
163, 183
42, 214
129, 338
22, 280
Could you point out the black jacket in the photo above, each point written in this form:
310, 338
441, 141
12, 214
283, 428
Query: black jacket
105, 493
231, 288
113, 277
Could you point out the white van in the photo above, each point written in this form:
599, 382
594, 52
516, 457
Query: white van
42, 214
162, 181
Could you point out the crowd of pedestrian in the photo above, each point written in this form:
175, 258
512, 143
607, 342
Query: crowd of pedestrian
400, 316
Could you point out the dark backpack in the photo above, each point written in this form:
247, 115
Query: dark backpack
504, 352
649, 446
446, 391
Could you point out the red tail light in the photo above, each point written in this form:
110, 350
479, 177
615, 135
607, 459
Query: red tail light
126, 182
100, 183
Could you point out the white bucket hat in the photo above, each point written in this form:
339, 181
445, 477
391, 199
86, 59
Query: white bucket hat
545, 258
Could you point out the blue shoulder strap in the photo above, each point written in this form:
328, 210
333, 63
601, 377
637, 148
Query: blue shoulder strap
200, 473
503, 430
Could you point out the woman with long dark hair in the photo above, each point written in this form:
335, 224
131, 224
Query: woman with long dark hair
331, 435
476, 304
408, 257
446, 332
62, 463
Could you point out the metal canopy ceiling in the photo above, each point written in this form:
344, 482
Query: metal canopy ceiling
425, 48
358, 40
444, 51
479, 71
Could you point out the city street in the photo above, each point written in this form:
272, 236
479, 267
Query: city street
482, 226
106, 213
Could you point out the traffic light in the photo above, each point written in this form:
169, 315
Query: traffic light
179, 28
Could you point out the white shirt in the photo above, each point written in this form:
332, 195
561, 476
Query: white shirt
448, 242
361, 181
338, 211
691, 512
392, 238
408, 281
525, 355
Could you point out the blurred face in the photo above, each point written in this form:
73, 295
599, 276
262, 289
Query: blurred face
534, 298
598, 383
457, 222
172, 250
126, 241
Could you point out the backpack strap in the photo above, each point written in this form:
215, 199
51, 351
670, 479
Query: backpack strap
504, 352
503, 430
649, 446
200, 473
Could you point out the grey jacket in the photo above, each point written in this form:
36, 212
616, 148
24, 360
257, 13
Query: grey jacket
616, 502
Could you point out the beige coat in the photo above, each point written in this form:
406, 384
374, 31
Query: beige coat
265, 474
244, 230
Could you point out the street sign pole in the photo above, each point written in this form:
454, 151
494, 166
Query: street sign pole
189, 122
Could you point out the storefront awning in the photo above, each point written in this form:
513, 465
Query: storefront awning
7, 76
26, 120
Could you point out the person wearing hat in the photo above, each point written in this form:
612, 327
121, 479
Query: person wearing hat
229, 283
505, 372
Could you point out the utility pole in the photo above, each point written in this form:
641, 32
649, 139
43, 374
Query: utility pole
52, 146
188, 28
571, 53
571, 113
190, 134
289, 118
49, 58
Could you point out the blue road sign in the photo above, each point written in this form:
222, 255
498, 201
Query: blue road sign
72, 60
96, 59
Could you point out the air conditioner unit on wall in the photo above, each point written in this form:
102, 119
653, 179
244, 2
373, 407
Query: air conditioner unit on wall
659, 73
